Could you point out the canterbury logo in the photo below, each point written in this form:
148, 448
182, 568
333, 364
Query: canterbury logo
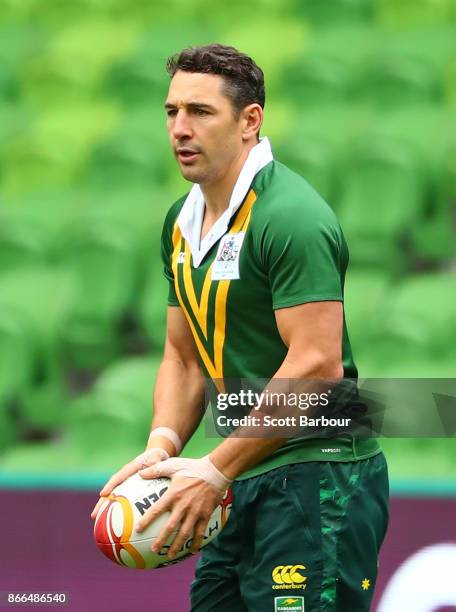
288, 574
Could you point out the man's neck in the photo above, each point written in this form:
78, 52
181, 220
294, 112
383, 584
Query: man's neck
217, 195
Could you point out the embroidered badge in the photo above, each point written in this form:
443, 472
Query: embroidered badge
226, 264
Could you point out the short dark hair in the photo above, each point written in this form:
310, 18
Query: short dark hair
244, 80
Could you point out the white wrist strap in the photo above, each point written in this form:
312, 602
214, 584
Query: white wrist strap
216, 477
193, 468
167, 432
144, 458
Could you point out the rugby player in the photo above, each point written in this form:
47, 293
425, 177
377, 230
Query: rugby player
256, 262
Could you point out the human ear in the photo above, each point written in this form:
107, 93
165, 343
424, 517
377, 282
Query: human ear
252, 118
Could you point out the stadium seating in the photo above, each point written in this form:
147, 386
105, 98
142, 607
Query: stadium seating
318, 79
102, 259
75, 61
448, 183
118, 408
18, 353
49, 80
42, 296
409, 13
102, 263
39, 461
30, 164
20, 40
316, 145
413, 333
420, 458
402, 82
33, 226
366, 292
33, 303
152, 307
77, 126
133, 155
360, 100
9, 86
45, 458
203, 441
56, 13
311, 158
426, 302
33, 160
21, 245
382, 191
339, 11
9, 431
433, 235
92, 426
14, 120
43, 404
141, 79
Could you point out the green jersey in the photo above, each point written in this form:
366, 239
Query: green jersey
283, 247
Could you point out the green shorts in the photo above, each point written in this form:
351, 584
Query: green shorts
302, 537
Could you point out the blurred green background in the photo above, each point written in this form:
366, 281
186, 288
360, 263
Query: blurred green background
361, 100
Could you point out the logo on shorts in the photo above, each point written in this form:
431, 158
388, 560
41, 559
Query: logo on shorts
365, 584
287, 604
289, 577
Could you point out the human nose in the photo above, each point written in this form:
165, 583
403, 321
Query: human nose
181, 127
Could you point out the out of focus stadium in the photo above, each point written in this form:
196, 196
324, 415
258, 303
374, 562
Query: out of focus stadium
360, 99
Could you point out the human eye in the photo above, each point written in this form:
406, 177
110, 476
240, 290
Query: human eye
201, 112
171, 112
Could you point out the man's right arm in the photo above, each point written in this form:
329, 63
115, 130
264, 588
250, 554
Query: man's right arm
178, 400
179, 388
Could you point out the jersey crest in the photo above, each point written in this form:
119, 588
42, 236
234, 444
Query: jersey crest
226, 265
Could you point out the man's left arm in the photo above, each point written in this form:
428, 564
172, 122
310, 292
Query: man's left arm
312, 333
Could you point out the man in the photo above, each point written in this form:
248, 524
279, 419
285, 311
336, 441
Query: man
256, 263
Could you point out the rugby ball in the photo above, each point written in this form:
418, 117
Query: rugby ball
114, 528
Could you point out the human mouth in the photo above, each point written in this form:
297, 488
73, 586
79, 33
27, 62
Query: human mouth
187, 155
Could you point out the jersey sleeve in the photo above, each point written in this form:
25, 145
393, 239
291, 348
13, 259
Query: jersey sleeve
166, 254
304, 256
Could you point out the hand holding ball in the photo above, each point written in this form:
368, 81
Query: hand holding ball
115, 524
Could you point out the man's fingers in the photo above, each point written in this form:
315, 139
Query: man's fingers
187, 531
149, 472
198, 535
150, 458
119, 477
97, 507
171, 525
163, 505
165, 469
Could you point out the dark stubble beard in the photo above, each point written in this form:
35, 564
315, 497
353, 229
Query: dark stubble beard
201, 176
